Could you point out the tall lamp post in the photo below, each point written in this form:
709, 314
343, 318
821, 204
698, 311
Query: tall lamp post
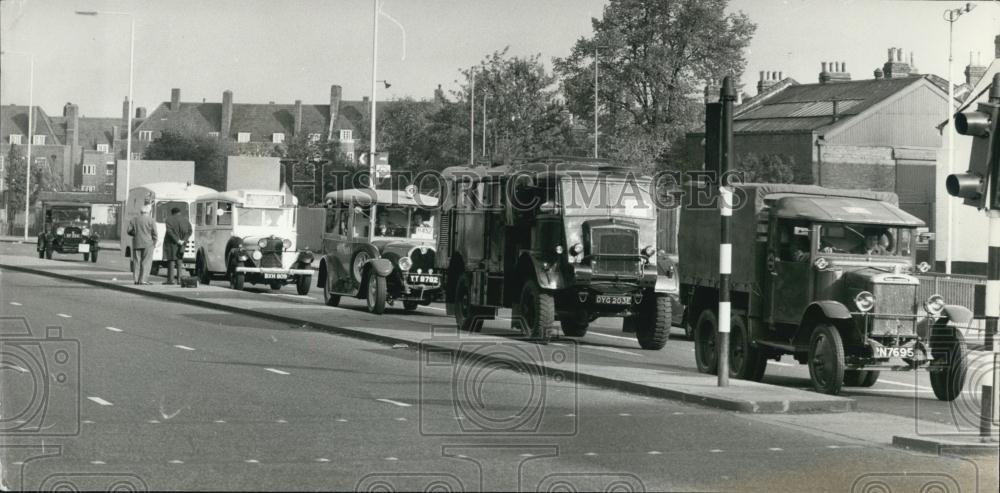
31, 133
595, 102
951, 15
131, 65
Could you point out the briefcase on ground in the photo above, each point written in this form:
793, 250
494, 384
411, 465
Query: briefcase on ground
189, 282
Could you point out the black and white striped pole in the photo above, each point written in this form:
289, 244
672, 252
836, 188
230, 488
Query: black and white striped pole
990, 397
728, 97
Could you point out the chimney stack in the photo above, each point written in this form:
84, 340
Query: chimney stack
878, 74
297, 126
833, 72
125, 112
767, 79
335, 97
973, 72
227, 114
896, 68
175, 99
72, 114
996, 46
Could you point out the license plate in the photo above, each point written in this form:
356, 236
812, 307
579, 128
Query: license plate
424, 279
271, 275
892, 352
607, 299
84, 248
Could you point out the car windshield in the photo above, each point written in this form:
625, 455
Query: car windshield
163, 210
255, 216
865, 239
70, 216
605, 196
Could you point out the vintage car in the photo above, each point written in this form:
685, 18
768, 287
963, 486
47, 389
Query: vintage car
162, 197
68, 230
828, 276
378, 245
249, 236
559, 240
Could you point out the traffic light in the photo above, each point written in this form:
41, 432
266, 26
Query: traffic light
983, 125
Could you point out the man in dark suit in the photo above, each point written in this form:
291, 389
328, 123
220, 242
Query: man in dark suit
142, 229
178, 232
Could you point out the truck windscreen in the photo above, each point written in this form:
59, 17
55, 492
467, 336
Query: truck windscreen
602, 196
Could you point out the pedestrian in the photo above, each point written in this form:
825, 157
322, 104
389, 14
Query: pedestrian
178, 232
142, 229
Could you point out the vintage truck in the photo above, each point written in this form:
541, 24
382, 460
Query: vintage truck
562, 240
824, 275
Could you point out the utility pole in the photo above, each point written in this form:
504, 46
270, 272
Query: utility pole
728, 97
472, 120
595, 102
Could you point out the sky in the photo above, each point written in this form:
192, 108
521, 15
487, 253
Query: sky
284, 50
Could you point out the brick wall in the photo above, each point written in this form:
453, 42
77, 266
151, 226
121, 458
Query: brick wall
862, 167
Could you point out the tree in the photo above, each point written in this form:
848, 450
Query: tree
768, 168
42, 179
306, 153
654, 58
208, 153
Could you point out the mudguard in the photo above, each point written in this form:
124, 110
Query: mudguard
831, 309
550, 278
957, 315
666, 284
382, 266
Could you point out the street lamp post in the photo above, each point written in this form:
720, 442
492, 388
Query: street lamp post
595, 102
951, 15
484, 125
31, 133
371, 137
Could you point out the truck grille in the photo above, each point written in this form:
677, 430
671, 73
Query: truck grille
271, 253
72, 233
615, 251
894, 309
422, 261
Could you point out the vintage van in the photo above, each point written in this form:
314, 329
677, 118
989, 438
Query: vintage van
162, 197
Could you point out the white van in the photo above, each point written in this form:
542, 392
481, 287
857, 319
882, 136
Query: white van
162, 197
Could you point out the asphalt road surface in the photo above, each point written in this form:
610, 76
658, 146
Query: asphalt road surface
146, 393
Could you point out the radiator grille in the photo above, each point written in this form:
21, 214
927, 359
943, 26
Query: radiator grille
893, 300
444, 234
422, 261
614, 241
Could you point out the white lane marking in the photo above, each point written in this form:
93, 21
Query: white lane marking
113, 329
615, 337
654, 452
395, 403
14, 303
282, 421
97, 462
220, 421
570, 415
322, 459
613, 350
716, 450
252, 461
624, 414
178, 346
100, 401
590, 454
175, 461
400, 419
63, 315
87, 422
775, 449
391, 458
279, 372
341, 420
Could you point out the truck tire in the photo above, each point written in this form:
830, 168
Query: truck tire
377, 293
705, 331
655, 320
950, 365
537, 311
746, 361
275, 285
329, 297
237, 279
572, 327
860, 378
410, 305
302, 285
465, 313
201, 270
826, 359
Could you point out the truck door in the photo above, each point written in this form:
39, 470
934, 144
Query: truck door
469, 223
789, 267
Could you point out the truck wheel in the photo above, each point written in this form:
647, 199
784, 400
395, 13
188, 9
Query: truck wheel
93, 257
201, 270
655, 320
302, 285
746, 361
237, 279
572, 327
537, 311
705, 331
409, 305
376, 293
465, 314
826, 359
329, 297
950, 363
860, 378
275, 285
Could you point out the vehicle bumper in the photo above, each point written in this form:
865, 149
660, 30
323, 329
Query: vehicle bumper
274, 270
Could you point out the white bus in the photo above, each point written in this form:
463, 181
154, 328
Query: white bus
162, 197
250, 235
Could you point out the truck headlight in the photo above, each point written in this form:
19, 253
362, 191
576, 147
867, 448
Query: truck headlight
576, 249
256, 255
865, 301
405, 263
262, 242
60, 230
286, 243
649, 251
85, 232
559, 249
934, 304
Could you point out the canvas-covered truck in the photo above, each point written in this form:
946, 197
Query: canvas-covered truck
824, 275
555, 241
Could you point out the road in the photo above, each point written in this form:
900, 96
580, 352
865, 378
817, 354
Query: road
171, 396
906, 394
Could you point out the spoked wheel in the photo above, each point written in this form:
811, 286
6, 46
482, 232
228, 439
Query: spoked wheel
826, 359
537, 311
465, 314
705, 331
329, 297
948, 371
746, 361
376, 293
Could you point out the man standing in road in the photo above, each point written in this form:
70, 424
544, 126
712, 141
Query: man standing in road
178, 232
142, 229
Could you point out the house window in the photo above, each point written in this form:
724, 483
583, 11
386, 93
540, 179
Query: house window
15, 139
89, 169
136, 156
314, 137
88, 188
243, 137
110, 171
38, 140
345, 135
102, 148
214, 135
350, 156
146, 135
277, 138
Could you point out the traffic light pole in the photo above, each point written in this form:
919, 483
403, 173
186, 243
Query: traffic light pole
991, 397
728, 97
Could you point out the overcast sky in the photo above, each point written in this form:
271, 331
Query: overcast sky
273, 50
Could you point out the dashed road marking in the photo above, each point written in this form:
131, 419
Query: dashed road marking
98, 462
590, 454
391, 458
113, 329
570, 415
252, 461
341, 420
716, 450
186, 348
282, 421
279, 372
654, 452
220, 421
100, 401
322, 459
14, 303
624, 414
87, 422
175, 461
400, 419
775, 449
395, 403
63, 315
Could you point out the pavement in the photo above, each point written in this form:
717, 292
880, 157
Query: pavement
163, 395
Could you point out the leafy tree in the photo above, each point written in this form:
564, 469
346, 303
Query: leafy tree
43, 179
767, 168
208, 153
654, 58
306, 153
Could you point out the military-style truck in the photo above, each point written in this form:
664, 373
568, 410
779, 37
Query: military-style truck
825, 275
555, 240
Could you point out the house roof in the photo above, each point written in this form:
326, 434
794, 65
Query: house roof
97, 130
14, 120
